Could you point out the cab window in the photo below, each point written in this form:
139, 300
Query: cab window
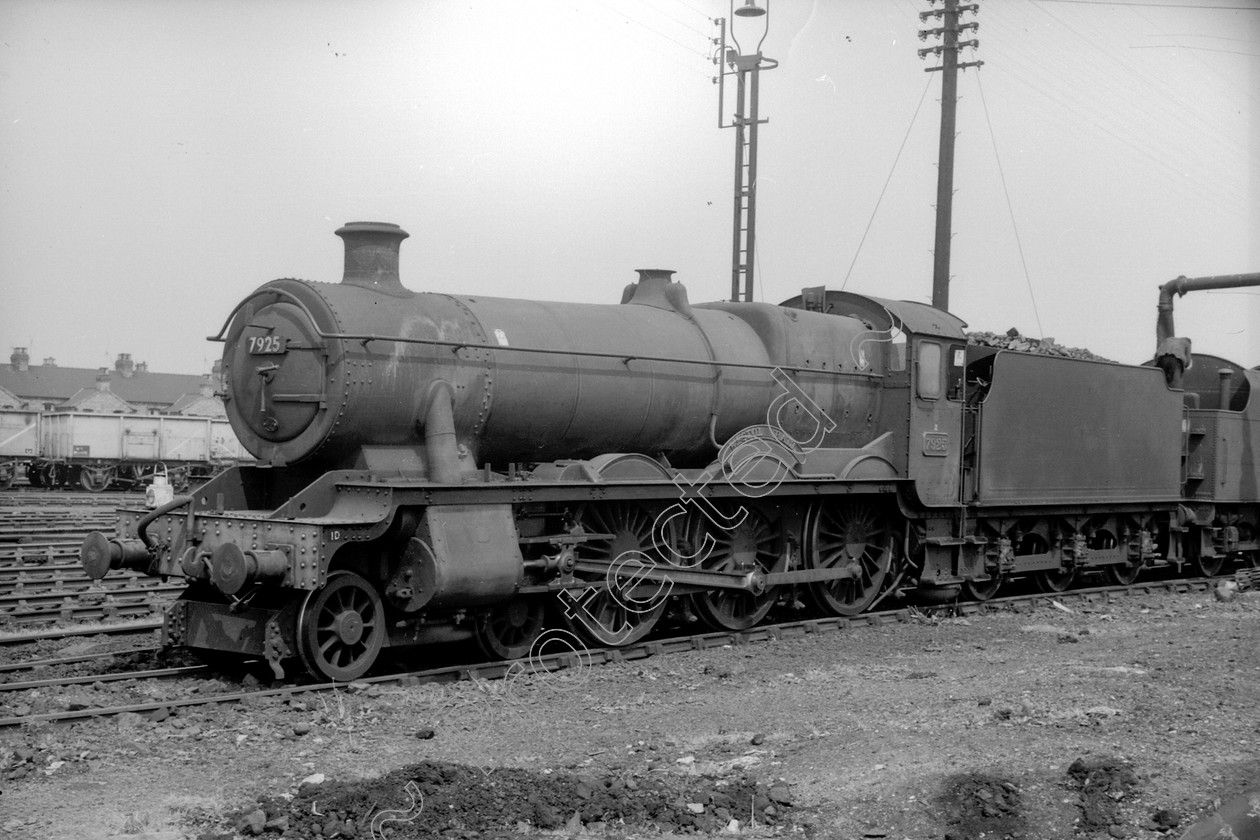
929, 370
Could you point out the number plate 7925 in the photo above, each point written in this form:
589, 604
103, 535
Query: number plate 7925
267, 345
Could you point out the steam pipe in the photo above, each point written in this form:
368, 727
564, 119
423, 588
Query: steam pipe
440, 444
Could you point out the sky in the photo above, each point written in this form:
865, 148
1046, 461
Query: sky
159, 160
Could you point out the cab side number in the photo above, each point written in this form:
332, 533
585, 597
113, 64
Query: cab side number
265, 345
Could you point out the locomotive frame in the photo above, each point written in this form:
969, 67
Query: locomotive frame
458, 467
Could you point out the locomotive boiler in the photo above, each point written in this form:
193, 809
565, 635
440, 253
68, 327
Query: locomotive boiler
436, 466
366, 373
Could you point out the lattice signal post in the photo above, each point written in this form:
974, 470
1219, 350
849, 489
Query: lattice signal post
746, 69
947, 51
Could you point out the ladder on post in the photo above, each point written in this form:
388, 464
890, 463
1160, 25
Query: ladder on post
745, 122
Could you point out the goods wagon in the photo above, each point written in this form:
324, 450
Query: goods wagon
19, 443
95, 451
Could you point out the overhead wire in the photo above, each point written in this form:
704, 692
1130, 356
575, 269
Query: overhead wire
1010, 208
681, 23
1119, 125
1203, 6
653, 30
1228, 82
1173, 107
704, 15
887, 180
583, 7
1123, 88
1189, 47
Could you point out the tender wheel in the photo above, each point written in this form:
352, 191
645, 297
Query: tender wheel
983, 590
1047, 580
1209, 566
1121, 574
622, 613
509, 631
34, 475
852, 535
752, 545
341, 628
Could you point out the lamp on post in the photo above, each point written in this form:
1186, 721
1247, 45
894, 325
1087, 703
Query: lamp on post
746, 69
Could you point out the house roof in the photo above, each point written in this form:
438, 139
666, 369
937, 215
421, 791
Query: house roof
198, 405
47, 383
98, 399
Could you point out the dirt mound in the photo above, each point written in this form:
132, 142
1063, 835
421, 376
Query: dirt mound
433, 799
977, 805
1103, 783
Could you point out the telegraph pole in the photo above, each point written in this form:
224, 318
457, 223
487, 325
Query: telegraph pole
948, 54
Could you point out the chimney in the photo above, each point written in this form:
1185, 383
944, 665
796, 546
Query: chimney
20, 360
102, 379
216, 374
372, 256
207, 385
142, 367
124, 365
50, 362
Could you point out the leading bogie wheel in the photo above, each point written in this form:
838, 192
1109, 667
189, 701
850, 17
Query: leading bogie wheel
341, 628
859, 538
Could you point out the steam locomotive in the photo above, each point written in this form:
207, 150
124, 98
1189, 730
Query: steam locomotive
436, 466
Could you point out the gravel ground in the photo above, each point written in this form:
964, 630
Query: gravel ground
1129, 718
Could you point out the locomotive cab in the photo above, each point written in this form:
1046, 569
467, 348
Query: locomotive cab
923, 353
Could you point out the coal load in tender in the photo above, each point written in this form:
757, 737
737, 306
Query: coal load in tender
1012, 340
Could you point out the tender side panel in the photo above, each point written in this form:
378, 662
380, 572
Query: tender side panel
1056, 431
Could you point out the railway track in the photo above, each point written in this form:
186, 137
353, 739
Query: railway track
55, 662
38, 552
105, 608
125, 628
571, 658
24, 494
36, 599
41, 581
